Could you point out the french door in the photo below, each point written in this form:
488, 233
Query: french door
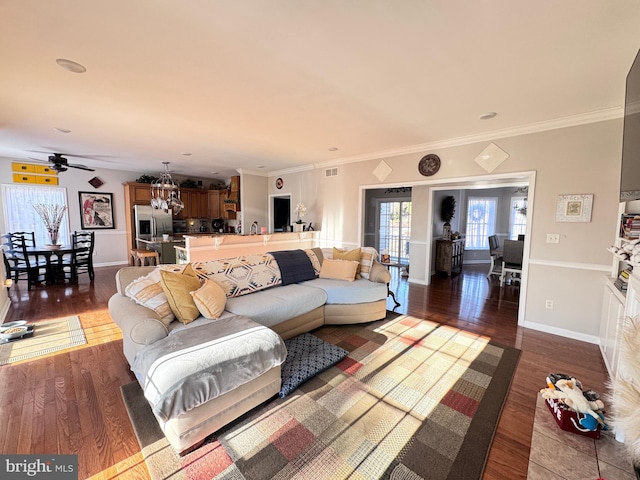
394, 230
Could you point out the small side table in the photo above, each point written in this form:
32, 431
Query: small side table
389, 291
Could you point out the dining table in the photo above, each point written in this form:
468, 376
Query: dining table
54, 257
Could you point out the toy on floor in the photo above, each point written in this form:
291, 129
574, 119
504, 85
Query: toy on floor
569, 391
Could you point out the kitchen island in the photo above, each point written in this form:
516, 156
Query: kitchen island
200, 248
165, 248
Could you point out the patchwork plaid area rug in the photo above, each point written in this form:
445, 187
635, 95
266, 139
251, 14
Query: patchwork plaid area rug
414, 399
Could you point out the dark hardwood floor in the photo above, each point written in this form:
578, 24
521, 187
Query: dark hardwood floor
69, 402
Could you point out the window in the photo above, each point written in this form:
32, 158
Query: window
20, 216
481, 222
395, 230
518, 220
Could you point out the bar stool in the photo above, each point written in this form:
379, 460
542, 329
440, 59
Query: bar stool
140, 257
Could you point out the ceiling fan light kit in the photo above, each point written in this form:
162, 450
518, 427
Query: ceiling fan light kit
61, 164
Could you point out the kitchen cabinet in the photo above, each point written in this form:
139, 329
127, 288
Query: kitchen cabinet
228, 206
139, 193
195, 203
230, 200
203, 204
213, 204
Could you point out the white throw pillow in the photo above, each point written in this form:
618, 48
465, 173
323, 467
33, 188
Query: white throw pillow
147, 291
368, 255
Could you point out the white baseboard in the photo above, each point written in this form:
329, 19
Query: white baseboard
476, 262
111, 264
562, 332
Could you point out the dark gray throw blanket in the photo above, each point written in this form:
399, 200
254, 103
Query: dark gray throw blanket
295, 266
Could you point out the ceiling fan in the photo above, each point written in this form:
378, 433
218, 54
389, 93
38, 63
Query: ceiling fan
61, 164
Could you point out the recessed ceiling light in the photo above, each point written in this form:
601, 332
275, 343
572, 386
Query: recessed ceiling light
488, 115
215, 173
70, 65
62, 130
260, 166
186, 154
333, 149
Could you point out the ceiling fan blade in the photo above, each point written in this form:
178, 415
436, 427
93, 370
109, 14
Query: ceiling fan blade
58, 163
80, 167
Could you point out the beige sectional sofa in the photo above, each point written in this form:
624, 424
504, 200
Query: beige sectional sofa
264, 306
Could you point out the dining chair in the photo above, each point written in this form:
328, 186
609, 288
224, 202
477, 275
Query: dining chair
29, 238
81, 258
512, 253
495, 252
18, 262
10, 271
13, 241
14, 262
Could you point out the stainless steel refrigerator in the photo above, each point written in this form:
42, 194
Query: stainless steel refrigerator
151, 222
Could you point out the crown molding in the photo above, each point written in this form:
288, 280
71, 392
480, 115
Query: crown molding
298, 169
246, 171
564, 122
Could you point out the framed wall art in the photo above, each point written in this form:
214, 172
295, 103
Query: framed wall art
574, 208
96, 210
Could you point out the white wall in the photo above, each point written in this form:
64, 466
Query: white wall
583, 159
253, 200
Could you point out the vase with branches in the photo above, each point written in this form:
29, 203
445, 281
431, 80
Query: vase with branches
52, 217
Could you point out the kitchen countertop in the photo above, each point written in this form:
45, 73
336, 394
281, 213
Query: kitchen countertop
161, 240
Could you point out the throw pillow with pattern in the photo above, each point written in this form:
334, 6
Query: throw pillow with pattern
147, 291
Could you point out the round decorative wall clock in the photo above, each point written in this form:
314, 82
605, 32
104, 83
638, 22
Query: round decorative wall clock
429, 164
279, 183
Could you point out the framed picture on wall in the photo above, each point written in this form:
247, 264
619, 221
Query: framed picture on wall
96, 210
574, 208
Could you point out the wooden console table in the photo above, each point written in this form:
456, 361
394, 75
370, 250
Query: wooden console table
449, 254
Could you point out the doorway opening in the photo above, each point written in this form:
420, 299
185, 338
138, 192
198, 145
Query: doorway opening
394, 230
281, 206
427, 227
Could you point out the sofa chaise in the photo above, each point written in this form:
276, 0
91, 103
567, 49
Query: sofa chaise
201, 374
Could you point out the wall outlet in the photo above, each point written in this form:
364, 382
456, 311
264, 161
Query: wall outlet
553, 238
548, 304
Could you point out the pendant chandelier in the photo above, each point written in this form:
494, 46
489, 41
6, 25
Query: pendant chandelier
165, 194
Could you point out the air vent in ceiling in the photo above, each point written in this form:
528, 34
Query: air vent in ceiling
331, 172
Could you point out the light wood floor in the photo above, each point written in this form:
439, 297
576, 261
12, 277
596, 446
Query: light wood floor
69, 402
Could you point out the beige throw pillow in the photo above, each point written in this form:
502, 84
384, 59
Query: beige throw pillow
210, 299
178, 287
339, 269
352, 255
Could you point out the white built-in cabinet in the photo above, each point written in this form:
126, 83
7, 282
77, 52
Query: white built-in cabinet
613, 306
620, 314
